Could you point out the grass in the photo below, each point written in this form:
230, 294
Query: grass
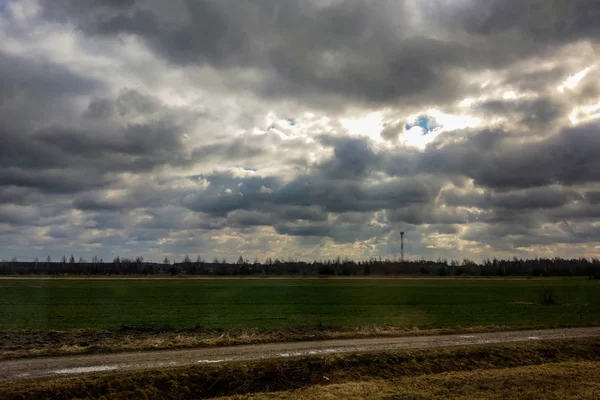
560, 381
235, 304
35, 343
477, 366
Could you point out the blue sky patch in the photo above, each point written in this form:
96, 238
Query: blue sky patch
427, 123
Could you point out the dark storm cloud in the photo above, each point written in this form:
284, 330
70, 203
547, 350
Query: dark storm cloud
17, 151
22, 76
34, 91
341, 185
516, 173
432, 214
226, 193
60, 160
129, 103
69, 141
513, 237
333, 194
99, 109
352, 49
362, 51
392, 131
106, 219
362, 196
353, 158
38, 152
574, 212
593, 197
89, 202
132, 102
539, 79
204, 33
57, 160
14, 195
538, 113
135, 140
17, 216
338, 230
496, 160
309, 213
543, 20
64, 10
304, 230
58, 232
412, 69
537, 198
57, 181
39, 215
589, 92
243, 148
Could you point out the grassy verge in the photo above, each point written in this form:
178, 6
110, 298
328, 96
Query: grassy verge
36, 343
560, 381
271, 376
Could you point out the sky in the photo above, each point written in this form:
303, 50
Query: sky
305, 129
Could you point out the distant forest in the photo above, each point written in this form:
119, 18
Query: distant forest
337, 267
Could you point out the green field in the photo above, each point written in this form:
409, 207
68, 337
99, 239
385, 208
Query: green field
287, 303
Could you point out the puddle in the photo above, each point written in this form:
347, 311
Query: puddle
295, 354
533, 338
83, 370
467, 336
311, 352
209, 361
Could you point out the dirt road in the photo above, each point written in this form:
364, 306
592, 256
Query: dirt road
63, 366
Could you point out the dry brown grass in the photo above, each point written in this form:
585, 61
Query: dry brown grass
571, 380
465, 373
33, 343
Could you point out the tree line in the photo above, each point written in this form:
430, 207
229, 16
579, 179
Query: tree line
337, 267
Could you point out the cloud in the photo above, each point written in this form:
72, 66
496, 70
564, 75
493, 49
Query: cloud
345, 49
426, 123
539, 113
221, 127
498, 160
551, 20
538, 198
